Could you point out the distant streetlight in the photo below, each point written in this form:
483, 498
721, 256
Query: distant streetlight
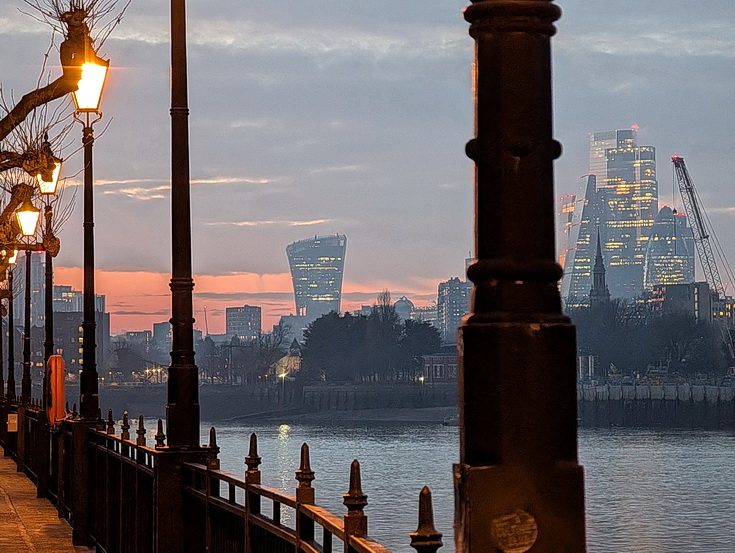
87, 100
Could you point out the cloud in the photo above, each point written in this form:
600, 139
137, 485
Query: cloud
263, 223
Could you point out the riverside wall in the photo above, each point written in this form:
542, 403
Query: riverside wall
221, 402
668, 405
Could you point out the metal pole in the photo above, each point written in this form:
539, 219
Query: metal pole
89, 398
182, 409
518, 482
25, 382
11, 336
48, 343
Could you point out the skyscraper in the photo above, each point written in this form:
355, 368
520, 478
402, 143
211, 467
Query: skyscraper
38, 265
317, 265
626, 181
453, 303
243, 322
670, 252
581, 234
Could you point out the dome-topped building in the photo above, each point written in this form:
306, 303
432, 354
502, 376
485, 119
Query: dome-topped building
404, 307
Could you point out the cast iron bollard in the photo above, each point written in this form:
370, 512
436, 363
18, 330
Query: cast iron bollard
518, 484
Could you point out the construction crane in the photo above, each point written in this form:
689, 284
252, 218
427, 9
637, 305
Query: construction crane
700, 229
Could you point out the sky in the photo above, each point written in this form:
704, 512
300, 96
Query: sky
317, 116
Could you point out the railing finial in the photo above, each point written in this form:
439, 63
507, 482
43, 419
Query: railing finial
125, 427
252, 460
110, 422
304, 491
74, 413
355, 501
426, 539
100, 421
140, 432
160, 437
212, 460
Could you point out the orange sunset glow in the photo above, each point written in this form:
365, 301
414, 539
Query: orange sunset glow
136, 300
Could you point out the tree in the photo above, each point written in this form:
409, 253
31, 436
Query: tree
418, 338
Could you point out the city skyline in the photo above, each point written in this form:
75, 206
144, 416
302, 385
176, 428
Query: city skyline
371, 145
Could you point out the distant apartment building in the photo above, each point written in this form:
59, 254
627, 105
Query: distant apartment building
67, 299
68, 338
426, 314
317, 266
162, 335
453, 303
243, 322
693, 299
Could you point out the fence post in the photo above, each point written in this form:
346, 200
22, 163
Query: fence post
173, 528
43, 454
20, 448
80, 500
304, 496
355, 520
252, 478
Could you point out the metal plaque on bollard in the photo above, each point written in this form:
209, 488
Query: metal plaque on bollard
12, 422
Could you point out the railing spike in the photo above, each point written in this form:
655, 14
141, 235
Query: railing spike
100, 421
125, 427
426, 539
160, 437
74, 414
140, 432
212, 459
304, 491
110, 422
355, 501
252, 460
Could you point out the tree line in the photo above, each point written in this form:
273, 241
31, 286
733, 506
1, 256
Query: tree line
626, 338
377, 347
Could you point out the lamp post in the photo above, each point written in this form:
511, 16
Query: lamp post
182, 407
27, 216
11, 330
87, 101
25, 382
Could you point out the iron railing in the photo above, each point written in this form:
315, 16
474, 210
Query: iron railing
117, 493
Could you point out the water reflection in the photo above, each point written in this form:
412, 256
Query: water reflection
647, 491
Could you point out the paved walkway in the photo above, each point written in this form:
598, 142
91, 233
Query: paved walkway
28, 524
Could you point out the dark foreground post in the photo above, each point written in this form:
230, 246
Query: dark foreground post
518, 483
182, 409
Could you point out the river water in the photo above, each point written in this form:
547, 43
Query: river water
647, 491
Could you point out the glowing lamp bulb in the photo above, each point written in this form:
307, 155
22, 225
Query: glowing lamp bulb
27, 216
89, 94
49, 187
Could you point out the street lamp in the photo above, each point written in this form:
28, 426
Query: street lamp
87, 102
27, 216
48, 187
